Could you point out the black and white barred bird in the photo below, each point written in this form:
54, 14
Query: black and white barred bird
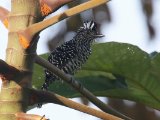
71, 55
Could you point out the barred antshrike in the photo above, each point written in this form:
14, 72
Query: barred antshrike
70, 56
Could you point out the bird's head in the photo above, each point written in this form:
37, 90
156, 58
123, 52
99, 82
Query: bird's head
89, 29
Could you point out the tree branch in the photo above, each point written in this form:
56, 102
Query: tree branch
77, 86
24, 116
49, 6
29, 32
50, 97
4, 16
7, 72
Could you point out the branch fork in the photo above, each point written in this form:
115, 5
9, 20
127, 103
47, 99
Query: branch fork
26, 36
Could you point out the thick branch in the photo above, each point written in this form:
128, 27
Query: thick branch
29, 32
4, 16
77, 86
48, 97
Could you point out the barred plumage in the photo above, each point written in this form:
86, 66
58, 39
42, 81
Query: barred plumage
71, 55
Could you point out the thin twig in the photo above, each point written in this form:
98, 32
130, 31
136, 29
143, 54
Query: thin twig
77, 86
42, 117
50, 97
24, 116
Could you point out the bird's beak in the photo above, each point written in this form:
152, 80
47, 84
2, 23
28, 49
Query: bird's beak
99, 35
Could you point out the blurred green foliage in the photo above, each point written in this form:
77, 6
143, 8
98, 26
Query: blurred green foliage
116, 70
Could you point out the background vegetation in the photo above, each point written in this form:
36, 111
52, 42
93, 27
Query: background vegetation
115, 70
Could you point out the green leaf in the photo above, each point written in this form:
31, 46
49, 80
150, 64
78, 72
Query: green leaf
117, 70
